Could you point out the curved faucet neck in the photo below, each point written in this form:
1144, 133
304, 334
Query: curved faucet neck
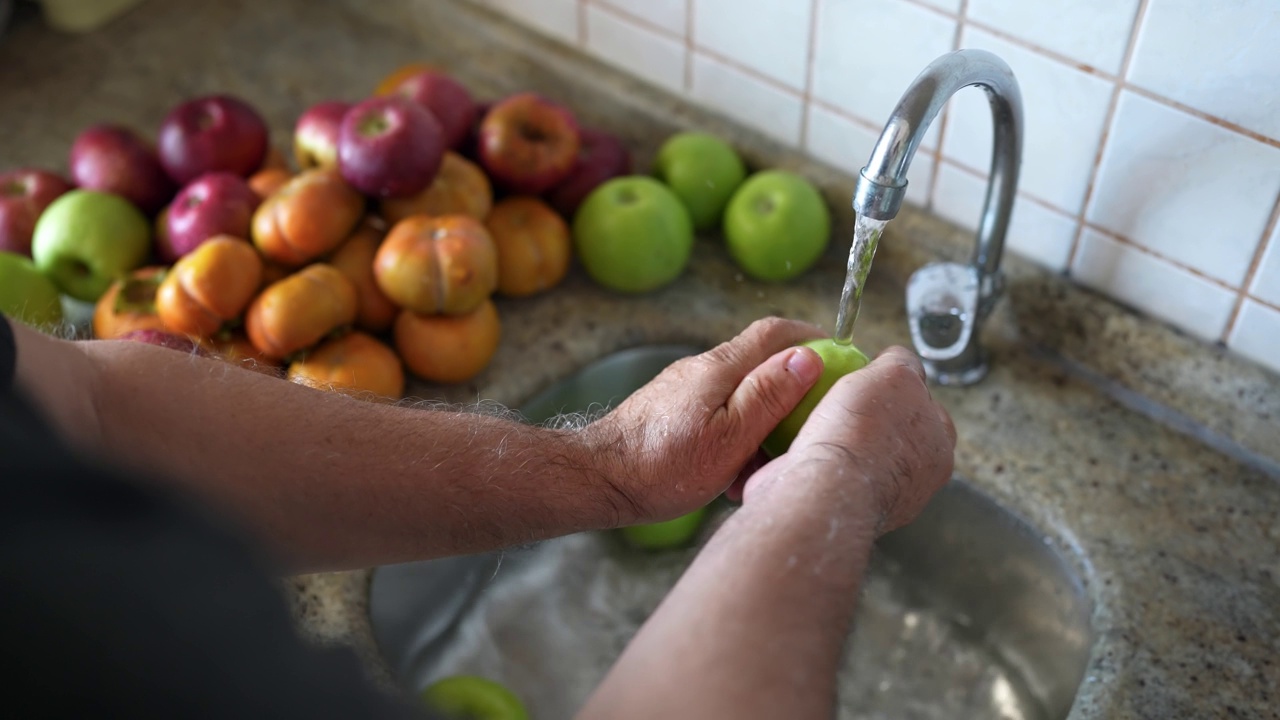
882, 184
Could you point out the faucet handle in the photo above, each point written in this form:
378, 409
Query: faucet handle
942, 309
946, 304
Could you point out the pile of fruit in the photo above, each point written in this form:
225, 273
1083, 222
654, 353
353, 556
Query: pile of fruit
407, 213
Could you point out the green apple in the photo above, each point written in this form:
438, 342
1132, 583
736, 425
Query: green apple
85, 240
837, 361
470, 697
633, 235
703, 171
665, 535
776, 226
26, 294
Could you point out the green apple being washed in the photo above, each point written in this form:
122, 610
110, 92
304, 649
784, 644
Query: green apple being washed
667, 535
838, 360
470, 697
839, 355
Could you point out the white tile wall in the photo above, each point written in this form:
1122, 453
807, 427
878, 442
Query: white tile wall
1188, 189
558, 18
670, 15
867, 51
1141, 280
653, 56
1096, 35
1151, 169
1035, 232
1065, 111
1218, 57
1266, 284
1257, 333
755, 102
769, 36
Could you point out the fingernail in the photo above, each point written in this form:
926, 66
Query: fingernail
805, 364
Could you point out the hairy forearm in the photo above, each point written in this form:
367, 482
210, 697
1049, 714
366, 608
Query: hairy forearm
755, 627
331, 482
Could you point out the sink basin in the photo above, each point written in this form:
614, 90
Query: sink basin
968, 612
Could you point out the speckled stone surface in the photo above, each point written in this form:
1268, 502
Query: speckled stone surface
1146, 457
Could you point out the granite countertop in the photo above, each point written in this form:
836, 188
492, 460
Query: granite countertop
1150, 460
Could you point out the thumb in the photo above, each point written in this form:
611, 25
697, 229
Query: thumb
771, 391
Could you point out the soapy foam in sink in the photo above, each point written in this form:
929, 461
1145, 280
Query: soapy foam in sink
555, 617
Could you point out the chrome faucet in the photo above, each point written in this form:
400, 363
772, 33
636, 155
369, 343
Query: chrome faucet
948, 302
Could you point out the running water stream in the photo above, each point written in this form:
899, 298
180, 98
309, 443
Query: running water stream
866, 236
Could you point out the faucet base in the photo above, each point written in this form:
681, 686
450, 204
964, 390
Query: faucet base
945, 374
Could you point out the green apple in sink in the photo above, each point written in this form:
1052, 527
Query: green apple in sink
470, 697
838, 360
667, 535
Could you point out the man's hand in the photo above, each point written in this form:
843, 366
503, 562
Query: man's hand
878, 426
679, 441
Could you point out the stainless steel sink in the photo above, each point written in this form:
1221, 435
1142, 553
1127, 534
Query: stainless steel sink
966, 613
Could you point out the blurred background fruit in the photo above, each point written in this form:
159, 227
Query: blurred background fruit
355, 364
703, 171
459, 188
443, 264
24, 195
533, 246
210, 287
129, 304
298, 311
448, 348
633, 234
306, 218
26, 294
85, 240
776, 226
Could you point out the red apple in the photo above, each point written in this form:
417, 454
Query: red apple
24, 194
315, 137
390, 147
210, 134
528, 144
471, 144
446, 99
601, 157
217, 203
115, 159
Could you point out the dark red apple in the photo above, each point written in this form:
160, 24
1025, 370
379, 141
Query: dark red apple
446, 99
315, 136
390, 147
471, 144
24, 194
217, 203
212, 134
528, 144
165, 339
115, 159
601, 157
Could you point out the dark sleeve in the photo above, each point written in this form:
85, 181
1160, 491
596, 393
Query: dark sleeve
8, 355
118, 601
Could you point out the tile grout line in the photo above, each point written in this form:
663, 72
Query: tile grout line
1104, 75
1263, 243
946, 112
1108, 121
807, 95
1121, 239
